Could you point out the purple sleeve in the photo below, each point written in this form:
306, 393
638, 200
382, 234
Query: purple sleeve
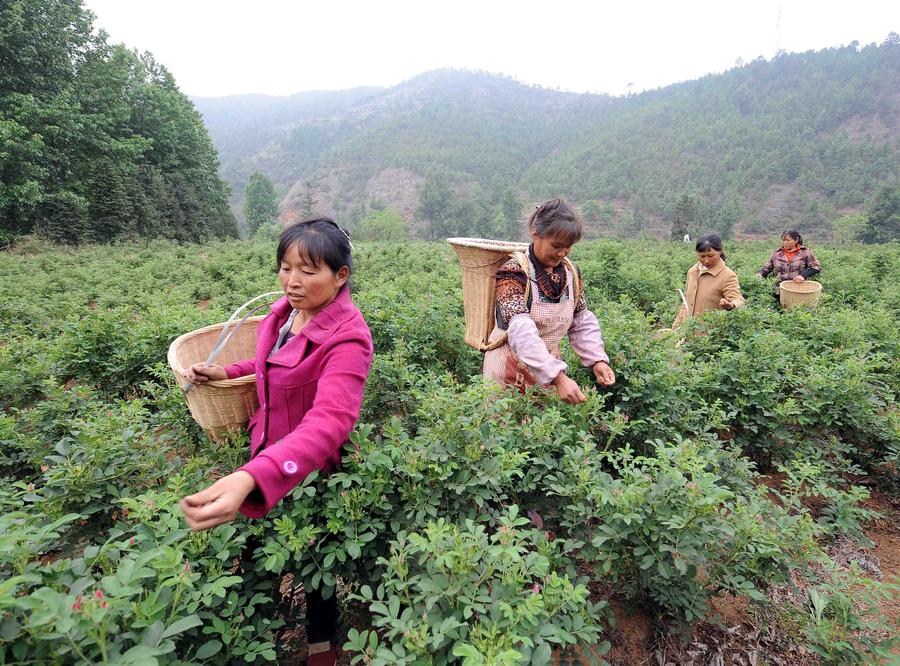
813, 267
587, 339
317, 441
528, 347
768, 266
241, 368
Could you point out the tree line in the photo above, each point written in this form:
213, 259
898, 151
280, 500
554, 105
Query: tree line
96, 140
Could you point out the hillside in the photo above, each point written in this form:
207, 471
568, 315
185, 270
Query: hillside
800, 139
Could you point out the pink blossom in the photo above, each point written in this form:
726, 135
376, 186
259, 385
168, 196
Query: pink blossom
103, 605
98, 594
536, 589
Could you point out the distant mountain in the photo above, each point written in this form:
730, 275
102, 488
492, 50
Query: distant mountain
243, 125
800, 139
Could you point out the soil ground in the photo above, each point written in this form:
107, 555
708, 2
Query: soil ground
740, 633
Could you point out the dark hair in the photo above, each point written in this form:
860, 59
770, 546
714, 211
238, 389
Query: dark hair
320, 239
556, 218
793, 233
710, 242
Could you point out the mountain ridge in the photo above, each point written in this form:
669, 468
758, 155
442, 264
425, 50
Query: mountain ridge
800, 138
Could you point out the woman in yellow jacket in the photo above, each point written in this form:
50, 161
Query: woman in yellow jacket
711, 285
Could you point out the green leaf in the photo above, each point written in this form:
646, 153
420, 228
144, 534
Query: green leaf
182, 625
542, 654
208, 649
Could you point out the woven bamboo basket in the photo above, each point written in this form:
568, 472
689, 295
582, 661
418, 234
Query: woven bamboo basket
793, 293
480, 258
218, 406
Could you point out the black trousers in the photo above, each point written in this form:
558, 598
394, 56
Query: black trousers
322, 615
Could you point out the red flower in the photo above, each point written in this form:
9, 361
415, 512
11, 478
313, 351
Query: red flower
103, 605
98, 594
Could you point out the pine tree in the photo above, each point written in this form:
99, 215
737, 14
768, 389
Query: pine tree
435, 206
64, 219
260, 202
109, 203
685, 217
883, 224
727, 216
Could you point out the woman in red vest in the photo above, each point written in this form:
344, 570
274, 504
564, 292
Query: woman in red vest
792, 261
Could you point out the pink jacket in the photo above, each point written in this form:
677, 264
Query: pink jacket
310, 393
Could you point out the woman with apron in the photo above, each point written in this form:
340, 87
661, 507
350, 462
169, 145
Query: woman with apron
539, 300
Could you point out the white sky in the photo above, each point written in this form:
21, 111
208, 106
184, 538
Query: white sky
280, 47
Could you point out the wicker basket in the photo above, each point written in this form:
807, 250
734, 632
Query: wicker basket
218, 406
480, 259
806, 292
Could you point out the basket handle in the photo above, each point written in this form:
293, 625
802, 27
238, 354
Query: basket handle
226, 333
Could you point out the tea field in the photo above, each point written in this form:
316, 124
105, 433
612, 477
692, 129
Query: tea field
744, 464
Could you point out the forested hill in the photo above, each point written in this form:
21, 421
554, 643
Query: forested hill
800, 139
96, 141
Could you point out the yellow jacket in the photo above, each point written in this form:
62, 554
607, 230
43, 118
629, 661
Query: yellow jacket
703, 290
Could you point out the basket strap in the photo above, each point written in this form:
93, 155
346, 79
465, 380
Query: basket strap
496, 344
525, 264
576, 277
226, 333
234, 314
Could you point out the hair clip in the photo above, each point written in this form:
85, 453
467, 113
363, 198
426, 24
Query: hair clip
347, 234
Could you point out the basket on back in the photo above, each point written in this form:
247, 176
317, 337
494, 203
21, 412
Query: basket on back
793, 293
480, 259
218, 406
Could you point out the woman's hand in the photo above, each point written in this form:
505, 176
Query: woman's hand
568, 390
200, 373
219, 503
604, 374
799, 278
725, 303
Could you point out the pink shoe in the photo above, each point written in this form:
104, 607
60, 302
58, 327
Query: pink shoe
327, 658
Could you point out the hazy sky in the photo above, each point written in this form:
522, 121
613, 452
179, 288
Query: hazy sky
280, 47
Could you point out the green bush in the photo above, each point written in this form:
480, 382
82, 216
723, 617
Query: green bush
646, 489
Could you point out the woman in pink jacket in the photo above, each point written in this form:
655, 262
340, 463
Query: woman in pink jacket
313, 354
537, 307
